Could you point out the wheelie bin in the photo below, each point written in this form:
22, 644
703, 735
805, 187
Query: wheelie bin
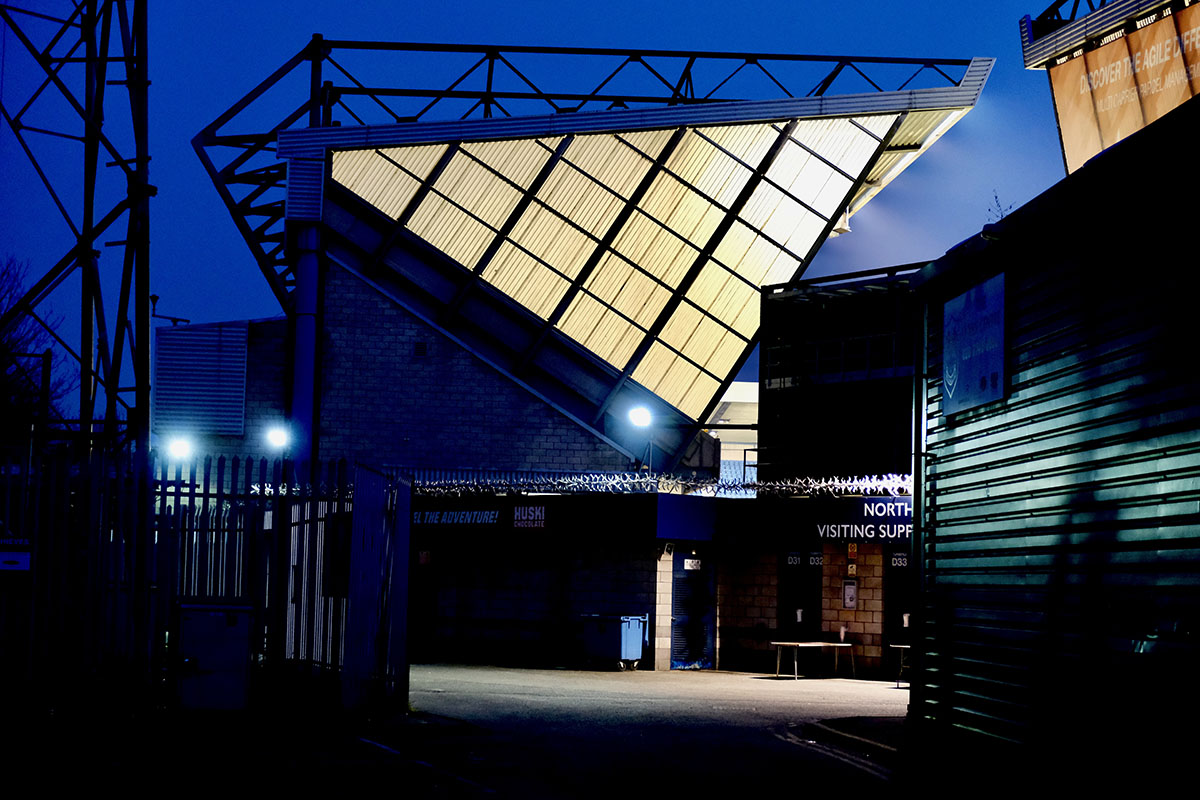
615, 640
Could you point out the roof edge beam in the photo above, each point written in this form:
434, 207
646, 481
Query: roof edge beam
305, 142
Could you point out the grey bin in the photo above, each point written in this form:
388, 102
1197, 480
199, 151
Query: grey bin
615, 640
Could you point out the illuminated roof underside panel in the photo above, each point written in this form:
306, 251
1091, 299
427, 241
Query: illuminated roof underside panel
609, 259
646, 248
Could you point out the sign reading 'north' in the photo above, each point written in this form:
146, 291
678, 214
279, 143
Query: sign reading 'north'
873, 518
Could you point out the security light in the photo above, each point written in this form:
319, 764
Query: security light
179, 448
640, 416
278, 437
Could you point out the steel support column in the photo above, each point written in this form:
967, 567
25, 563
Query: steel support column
304, 237
304, 342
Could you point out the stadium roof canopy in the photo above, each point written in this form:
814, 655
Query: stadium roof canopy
603, 247
1059, 33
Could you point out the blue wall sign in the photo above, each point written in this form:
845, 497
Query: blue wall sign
973, 348
884, 518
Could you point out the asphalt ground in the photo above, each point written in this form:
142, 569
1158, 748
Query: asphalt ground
494, 732
559, 733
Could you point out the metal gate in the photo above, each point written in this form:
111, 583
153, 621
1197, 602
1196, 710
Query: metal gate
110, 566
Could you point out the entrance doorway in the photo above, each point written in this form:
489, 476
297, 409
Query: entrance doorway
694, 609
800, 595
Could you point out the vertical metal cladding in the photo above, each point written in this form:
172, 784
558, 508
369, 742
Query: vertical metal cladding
1061, 528
305, 185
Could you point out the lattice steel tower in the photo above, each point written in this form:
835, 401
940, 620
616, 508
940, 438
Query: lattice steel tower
82, 78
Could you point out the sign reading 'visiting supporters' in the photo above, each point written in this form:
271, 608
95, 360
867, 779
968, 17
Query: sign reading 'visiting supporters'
973, 347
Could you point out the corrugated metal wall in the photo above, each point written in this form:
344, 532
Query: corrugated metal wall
200, 379
1061, 525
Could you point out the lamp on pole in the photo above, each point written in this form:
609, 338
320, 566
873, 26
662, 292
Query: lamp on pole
641, 417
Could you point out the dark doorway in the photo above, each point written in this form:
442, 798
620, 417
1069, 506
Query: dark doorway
800, 595
694, 608
899, 593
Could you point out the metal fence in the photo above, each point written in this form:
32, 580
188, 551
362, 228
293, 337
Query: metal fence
107, 565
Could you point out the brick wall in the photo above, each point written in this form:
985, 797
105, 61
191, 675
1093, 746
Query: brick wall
395, 391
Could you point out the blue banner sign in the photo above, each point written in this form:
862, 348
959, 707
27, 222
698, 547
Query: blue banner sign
866, 518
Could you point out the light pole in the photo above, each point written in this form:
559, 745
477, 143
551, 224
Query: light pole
641, 417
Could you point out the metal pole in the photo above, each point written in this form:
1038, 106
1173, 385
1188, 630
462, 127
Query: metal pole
140, 101
149, 638
917, 542
307, 244
304, 350
85, 252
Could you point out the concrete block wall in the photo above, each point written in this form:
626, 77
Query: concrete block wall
395, 391
612, 584
747, 610
864, 624
617, 583
528, 607
663, 599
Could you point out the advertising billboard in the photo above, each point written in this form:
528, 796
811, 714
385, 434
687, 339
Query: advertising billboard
1107, 93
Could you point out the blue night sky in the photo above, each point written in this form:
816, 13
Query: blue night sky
205, 56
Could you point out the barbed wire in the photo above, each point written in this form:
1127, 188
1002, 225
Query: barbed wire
648, 483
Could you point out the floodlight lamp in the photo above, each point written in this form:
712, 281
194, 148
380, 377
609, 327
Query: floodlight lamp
640, 416
179, 448
278, 437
